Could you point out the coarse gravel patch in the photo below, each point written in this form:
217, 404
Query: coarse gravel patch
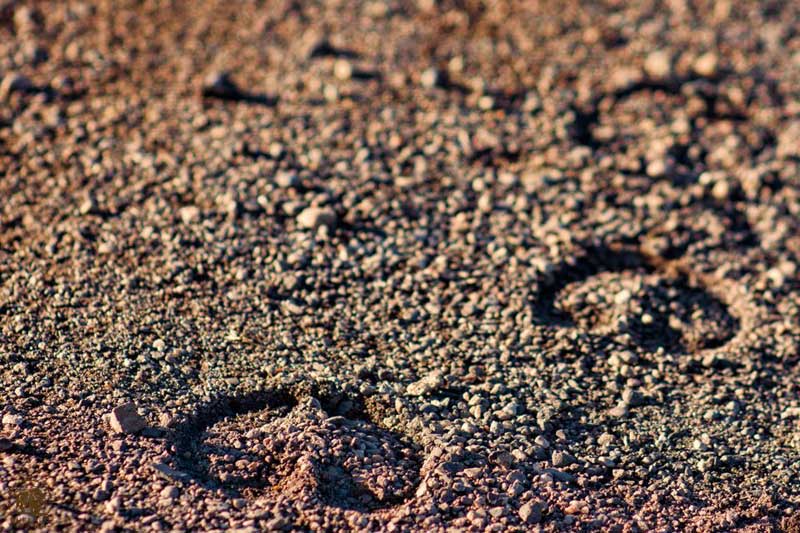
399, 266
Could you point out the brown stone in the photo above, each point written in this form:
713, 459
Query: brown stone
126, 419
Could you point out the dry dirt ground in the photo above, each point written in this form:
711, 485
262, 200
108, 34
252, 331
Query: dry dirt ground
400, 266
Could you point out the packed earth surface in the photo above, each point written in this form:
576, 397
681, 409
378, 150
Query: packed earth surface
405, 265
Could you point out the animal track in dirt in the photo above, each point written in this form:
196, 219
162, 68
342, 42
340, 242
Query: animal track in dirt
706, 225
612, 119
308, 442
625, 294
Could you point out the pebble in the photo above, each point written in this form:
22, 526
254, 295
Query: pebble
486, 102
12, 420
531, 513
605, 439
189, 214
88, 206
24, 20
632, 397
431, 78
508, 412
619, 411
168, 473
706, 65
576, 507
114, 504
314, 217
427, 384
286, 179
502, 458
126, 419
170, 492
561, 458
239, 503
330, 92
658, 64
343, 69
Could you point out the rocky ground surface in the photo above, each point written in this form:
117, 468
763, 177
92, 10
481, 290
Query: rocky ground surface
400, 266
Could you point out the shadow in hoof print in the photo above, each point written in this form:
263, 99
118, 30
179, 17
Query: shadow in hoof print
308, 442
622, 293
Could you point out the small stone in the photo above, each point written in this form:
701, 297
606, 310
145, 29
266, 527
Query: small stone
168, 473
721, 190
286, 179
531, 512
706, 65
486, 103
228, 204
561, 458
628, 357
239, 503
330, 92
519, 455
658, 64
12, 420
13, 83
5, 445
619, 411
532, 102
431, 78
276, 150
189, 214
126, 419
429, 383
632, 397
622, 297
605, 439
657, 168
167, 420
170, 492
24, 20
508, 412
88, 206
502, 458
100, 495
343, 69
114, 504
314, 217
575, 507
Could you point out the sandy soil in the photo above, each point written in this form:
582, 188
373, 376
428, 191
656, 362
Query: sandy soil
399, 266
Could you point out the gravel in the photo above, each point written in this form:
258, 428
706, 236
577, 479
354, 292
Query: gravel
404, 266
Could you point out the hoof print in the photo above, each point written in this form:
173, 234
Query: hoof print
626, 295
307, 442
